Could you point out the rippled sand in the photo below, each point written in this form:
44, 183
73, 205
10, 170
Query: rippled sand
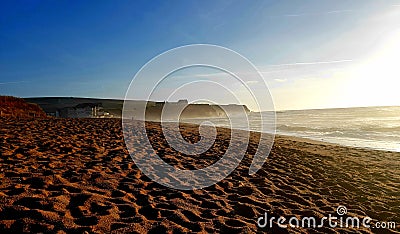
75, 175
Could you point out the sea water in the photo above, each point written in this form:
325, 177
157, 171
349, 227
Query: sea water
365, 127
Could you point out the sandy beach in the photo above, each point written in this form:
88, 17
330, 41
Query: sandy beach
76, 175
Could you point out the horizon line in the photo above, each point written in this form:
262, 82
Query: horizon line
277, 110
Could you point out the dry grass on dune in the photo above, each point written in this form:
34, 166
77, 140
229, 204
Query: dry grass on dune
19, 108
75, 175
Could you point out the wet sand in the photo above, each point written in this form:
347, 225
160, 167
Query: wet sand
75, 175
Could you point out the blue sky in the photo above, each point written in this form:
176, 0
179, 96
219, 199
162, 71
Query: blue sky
308, 51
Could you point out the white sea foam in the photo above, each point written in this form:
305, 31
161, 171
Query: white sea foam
368, 127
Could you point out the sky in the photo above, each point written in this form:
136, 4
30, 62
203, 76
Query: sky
311, 54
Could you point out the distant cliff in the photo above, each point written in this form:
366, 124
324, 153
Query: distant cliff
18, 107
192, 111
56, 106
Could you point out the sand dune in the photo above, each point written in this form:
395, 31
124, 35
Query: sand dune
75, 175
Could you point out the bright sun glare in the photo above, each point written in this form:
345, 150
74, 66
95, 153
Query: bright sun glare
376, 80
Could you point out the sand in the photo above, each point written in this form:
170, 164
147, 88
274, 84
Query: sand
75, 175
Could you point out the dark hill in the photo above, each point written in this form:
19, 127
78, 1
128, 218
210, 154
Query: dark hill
52, 104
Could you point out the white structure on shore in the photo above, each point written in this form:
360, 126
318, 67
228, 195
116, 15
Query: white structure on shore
85, 110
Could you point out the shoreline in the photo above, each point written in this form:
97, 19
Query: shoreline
322, 141
317, 141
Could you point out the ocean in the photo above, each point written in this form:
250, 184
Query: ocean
365, 127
